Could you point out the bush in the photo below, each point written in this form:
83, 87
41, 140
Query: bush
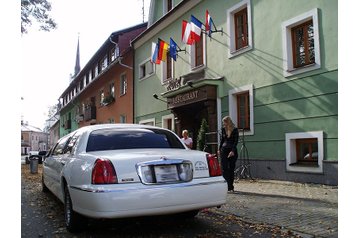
200, 145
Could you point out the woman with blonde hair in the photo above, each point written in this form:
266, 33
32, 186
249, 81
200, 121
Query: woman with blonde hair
229, 139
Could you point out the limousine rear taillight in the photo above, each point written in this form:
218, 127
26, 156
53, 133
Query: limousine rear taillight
103, 172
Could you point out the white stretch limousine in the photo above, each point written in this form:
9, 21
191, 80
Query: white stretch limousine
130, 170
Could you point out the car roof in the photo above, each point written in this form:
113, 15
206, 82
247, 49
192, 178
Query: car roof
118, 126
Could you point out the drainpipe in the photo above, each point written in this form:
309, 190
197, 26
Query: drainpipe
120, 57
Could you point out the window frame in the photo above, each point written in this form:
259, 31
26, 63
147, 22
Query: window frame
233, 106
165, 119
123, 84
193, 56
246, 99
169, 61
287, 26
122, 117
166, 6
291, 152
112, 89
150, 121
145, 76
230, 15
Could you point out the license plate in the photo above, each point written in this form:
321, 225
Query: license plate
166, 173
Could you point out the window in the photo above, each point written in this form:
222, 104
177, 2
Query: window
167, 6
243, 110
198, 56
150, 122
241, 37
301, 44
199, 53
168, 122
88, 78
101, 96
241, 105
123, 83
304, 152
307, 151
240, 29
122, 119
113, 139
167, 69
111, 89
104, 63
111, 121
112, 54
146, 69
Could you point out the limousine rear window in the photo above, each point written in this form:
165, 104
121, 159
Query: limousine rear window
131, 139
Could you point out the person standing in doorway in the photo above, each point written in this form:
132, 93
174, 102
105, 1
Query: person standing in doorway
186, 139
228, 151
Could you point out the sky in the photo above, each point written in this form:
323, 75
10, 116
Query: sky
48, 58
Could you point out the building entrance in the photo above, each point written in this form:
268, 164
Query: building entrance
190, 108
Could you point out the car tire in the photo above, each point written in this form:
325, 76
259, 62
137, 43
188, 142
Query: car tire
188, 214
74, 221
44, 188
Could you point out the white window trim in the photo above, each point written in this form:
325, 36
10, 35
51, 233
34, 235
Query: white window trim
231, 27
164, 71
164, 121
151, 120
288, 69
192, 56
122, 116
233, 105
121, 85
139, 68
291, 151
165, 7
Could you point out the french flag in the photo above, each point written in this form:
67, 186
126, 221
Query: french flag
186, 33
196, 26
208, 23
154, 57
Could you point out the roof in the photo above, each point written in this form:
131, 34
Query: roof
30, 128
98, 54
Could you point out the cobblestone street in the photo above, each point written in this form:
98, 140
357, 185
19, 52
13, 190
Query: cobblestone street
308, 209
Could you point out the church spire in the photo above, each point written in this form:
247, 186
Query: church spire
77, 66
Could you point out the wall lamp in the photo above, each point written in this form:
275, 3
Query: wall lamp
156, 97
190, 84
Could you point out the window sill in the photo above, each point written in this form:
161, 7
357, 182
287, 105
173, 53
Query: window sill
197, 68
305, 164
234, 53
304, 69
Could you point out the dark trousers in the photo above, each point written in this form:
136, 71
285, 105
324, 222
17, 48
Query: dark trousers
228, 166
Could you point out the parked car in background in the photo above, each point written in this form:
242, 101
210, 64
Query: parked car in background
129, 170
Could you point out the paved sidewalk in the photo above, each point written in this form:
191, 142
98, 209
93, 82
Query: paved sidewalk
307, 209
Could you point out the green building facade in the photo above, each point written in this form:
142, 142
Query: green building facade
270, 65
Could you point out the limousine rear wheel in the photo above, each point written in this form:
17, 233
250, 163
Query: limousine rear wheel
74, 221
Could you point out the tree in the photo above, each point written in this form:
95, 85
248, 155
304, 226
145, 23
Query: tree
36, 10
200, 145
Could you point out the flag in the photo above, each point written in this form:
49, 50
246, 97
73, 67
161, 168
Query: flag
195, 29
162, 50
186, 33
208, 23
154, 57
173, 49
